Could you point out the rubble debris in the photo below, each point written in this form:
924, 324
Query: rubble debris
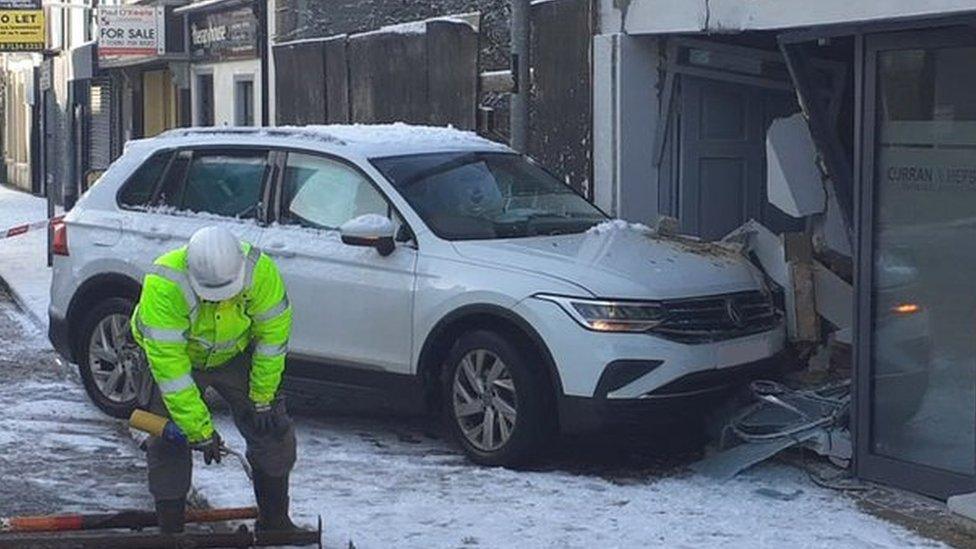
783, 418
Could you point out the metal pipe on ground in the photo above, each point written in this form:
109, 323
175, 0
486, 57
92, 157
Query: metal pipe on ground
135, 540
123, 519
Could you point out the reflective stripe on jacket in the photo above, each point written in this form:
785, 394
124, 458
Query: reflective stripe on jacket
180, 332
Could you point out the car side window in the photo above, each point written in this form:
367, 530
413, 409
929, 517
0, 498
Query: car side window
138, 190
323, 194
220, 182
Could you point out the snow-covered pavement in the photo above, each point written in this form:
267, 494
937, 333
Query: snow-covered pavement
23, 258
384, 483
58, 453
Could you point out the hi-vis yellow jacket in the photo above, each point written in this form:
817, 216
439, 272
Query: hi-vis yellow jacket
180, 332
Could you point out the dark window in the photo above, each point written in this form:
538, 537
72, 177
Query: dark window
244, 103
323, 194
226, 183
205, 100
138, 190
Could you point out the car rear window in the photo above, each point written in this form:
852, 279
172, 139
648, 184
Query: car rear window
138, 190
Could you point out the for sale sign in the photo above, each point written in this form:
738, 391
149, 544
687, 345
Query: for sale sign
131, 31
21, 30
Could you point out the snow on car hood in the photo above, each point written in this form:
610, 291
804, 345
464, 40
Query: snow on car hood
619, 260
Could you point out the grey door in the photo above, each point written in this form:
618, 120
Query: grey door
722, 156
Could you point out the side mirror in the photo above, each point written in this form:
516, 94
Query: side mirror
371, 231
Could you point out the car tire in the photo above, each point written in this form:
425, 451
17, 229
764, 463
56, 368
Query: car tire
112, 367
514, 399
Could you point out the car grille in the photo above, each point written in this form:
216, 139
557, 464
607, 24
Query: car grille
717, 318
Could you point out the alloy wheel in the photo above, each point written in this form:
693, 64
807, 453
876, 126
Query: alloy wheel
484, 397
116, 362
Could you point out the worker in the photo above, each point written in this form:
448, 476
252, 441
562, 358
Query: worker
215, 313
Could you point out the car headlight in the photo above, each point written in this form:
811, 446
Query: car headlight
611, 316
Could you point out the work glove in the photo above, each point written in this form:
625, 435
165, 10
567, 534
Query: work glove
263, 417
270, 417
210, 448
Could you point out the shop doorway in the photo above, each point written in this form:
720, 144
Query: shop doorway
917, 304
721, 180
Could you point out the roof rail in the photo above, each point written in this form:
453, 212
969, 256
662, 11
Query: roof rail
255, 131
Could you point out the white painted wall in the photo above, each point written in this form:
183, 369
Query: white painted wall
673, 16
223, 75
625, 117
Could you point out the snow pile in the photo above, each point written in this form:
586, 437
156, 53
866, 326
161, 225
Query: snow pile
204, 216
367, 224
418, 27
402, 133
615, 225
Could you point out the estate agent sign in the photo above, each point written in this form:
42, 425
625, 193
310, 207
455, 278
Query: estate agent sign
224, 35
131, 31
21, 25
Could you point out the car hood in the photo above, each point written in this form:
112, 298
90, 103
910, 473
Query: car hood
623, 264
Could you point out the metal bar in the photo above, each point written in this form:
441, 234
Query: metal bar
124, 519
152, 540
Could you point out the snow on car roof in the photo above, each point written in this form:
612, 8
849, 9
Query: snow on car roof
369, 140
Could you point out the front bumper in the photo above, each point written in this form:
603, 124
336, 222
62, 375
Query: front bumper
687, 397
606, 379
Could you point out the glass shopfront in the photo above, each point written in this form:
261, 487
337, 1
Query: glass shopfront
918, 261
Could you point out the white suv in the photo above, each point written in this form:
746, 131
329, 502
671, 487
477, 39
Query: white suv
433, 267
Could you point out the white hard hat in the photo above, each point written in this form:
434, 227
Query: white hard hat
215, 261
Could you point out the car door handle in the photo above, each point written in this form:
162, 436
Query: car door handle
157, 233
279, 249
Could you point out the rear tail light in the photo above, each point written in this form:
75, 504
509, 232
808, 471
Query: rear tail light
59, 243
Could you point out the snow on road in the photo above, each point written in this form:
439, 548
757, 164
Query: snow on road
385, 483
58, 453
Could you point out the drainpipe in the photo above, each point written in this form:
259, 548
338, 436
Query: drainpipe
261, 10
519, 116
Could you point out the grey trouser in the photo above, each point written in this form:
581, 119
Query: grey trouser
170, 464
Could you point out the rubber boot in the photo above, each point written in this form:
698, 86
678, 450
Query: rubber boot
171, 515
271, 494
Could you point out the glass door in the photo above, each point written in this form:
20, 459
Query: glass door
917, 304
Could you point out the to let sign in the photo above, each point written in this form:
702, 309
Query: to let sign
131, 31
21, 30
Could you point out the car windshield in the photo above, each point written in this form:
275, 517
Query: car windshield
480, 195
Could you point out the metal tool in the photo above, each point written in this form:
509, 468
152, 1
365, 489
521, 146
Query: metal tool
242, 537
155, 425
122, 519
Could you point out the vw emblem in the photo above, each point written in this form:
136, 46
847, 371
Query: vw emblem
735, 314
